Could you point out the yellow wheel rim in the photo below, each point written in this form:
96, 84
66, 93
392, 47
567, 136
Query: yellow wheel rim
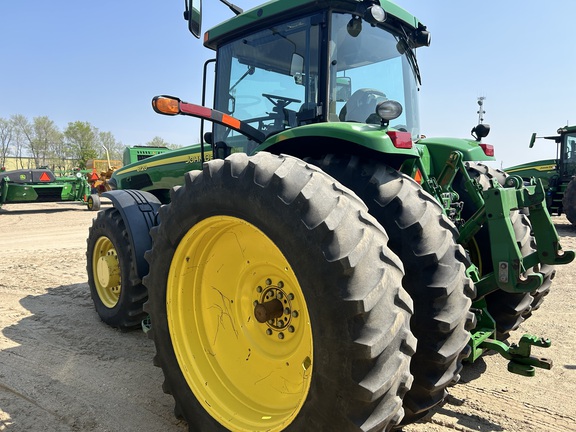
225, 276
106, 272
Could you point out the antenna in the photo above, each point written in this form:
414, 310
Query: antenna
481, 111
233, 7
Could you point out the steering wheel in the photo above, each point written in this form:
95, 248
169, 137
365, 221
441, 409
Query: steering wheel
281, 101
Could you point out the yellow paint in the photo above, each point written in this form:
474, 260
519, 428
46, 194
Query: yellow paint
187, 159
249, 376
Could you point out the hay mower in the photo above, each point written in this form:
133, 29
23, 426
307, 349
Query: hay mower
41, 185
313, 263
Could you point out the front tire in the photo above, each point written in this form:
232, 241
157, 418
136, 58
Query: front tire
116, 290
275, 302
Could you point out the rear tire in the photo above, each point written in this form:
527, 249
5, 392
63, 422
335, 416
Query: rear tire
569, 202
435, 266
116, 290
246, 227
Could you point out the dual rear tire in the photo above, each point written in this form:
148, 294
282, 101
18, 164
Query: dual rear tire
276, 303
435, 265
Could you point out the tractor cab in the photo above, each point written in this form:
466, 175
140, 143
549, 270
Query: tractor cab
350, 62
555, 174
567, 151
565, 163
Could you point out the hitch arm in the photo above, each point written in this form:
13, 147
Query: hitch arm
521, 360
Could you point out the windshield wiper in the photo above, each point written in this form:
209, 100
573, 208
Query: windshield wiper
403, 47
250, 71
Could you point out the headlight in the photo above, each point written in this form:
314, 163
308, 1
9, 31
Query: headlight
375, 14
389, 110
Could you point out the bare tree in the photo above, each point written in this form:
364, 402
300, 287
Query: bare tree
47, 140
24, 136
40, 138
6, 136
22, 131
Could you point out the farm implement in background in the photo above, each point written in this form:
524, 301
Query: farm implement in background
41, 185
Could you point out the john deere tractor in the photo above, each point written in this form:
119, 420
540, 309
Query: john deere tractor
312, 264
557, 175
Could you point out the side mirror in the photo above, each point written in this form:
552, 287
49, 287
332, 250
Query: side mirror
296, 65
193, 14
532, 140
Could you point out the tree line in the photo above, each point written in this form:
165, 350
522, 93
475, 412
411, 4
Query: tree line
41, 140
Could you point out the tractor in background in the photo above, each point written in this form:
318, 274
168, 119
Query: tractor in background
557, 175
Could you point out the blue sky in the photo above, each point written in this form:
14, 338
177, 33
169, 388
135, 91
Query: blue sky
103, 61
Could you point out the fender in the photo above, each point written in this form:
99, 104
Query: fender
440, 148
138, 210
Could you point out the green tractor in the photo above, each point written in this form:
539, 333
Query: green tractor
557, 175
312, 263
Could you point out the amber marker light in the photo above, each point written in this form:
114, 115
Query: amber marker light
167, 105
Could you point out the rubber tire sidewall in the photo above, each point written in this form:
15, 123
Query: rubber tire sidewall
569, 201
435, 265
128, 312
335, 400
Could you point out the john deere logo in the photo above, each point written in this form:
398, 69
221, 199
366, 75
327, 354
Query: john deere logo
22, 176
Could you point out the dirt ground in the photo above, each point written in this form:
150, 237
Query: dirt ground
61, 369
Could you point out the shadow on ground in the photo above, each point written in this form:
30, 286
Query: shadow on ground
64, 370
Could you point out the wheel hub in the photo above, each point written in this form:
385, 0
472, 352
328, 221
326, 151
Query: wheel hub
273, 307
108, 270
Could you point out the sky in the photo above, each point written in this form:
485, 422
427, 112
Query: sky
102, 62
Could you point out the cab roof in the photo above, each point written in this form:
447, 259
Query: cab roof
271, 11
